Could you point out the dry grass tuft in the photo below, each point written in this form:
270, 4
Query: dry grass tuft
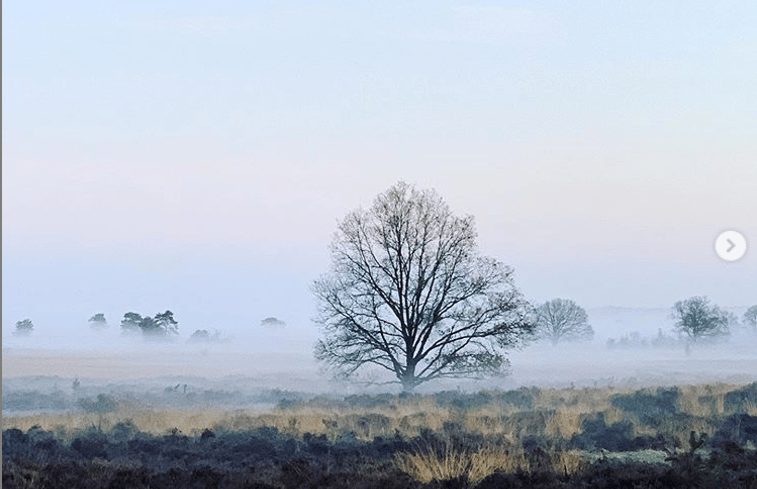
448, 463
615, 415
704, 399
564, 423
750, 407
146, 420
434, 463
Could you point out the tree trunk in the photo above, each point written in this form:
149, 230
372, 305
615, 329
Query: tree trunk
409, 381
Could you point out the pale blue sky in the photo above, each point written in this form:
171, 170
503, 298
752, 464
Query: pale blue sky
197, 155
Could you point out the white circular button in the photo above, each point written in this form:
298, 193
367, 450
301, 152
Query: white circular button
730, 245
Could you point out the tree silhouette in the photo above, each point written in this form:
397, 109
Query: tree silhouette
160, 325
696, 319
24, 327
750, 317
98, 321
131, 322
562, 320
166, 322
409, 292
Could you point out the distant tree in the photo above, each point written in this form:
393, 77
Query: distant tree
200, 335
150, 327
204, 336
750, 317
166, 322
103, 404
695, 319
98, 321
409, 292
160, 325
131, 322
561, 320
24, 327
272, 322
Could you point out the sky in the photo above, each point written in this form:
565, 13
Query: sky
197, 156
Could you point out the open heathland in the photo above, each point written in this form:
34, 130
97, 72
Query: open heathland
679, 436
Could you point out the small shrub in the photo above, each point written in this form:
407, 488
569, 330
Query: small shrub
649, 408
596, 434
123, 431
740, 399
739, 428
91, 446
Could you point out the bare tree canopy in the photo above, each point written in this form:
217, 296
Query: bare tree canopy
562, 320
409, 292
697, 319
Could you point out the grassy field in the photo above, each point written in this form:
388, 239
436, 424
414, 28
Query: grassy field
490, 412
442, 436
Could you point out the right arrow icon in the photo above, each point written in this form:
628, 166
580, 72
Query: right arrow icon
730, 245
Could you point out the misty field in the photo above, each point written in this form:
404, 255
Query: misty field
235, 415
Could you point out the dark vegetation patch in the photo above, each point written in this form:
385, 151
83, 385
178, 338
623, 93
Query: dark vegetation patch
738, 399
649, 408
598, 435
737, 428
522, 399
730, 466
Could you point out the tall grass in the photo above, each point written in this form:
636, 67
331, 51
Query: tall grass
564, 423
447, 463
751, 408
555, 413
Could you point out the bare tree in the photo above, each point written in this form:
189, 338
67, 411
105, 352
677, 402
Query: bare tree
408, 292
562, 320
696, 319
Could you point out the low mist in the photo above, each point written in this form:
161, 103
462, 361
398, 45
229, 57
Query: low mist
275, 355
